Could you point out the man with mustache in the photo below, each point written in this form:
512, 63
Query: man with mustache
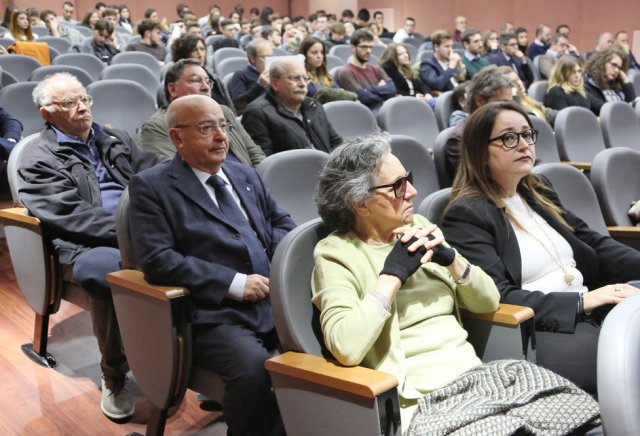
284, 118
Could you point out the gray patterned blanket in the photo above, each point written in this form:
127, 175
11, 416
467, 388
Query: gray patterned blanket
504, 397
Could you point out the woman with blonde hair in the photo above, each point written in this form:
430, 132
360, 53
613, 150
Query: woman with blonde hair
396, 62
531, 105
20, 27
566, 85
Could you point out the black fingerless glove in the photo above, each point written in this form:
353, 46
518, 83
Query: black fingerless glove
442, 255
400, 262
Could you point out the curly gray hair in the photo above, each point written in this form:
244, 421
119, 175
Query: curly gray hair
347, 178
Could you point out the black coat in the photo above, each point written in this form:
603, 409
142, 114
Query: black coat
597, 99
402, 87
557, 98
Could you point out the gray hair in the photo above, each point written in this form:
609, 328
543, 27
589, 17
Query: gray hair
252, 47
41, 93
347, 177
486, 83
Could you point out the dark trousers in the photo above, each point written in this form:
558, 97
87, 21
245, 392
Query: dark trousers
90, 270
573, 356
238, 355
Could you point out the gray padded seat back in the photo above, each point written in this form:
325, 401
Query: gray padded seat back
415, 157
575, 192
434, 205
423, 55
137, 73
14, 161
123, 104
41, 73
546, 147
537, 90
212, 38
7, 79
440, 158
615, 177
291, 177
20, 66
342, 51
534, 69
88, 62
618, 363
444, 108
409, 116
295, 317
231, 65
634, 77
280, 52
61, 44
619, 123
334, 61
227, 53
578, 134
16, 99
85, 31
139, 58
351, 118
123, 232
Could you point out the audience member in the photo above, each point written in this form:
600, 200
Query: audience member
100, 44
511, 223
376, 32
228, 30
211, 226
85, 167
284, 118
362, 19
510, 56
68, 14
321, 85
444, 70
118, 40
186, 77
347, 16
603, 42
272, 35
622, 42
151, 40
460, 25
606, 80
566, 85
540, 45
396, 62
56, 29
370, 82
490, 42
151, 14
388, 285
459, 102
558, 48
473, 59
125, 18
520, 96
249, 83
523, 39
322, 27
508, 27
405, 31
34, 18
338, 35
10, 134
486, 86
378, 18
90, 18
20, 27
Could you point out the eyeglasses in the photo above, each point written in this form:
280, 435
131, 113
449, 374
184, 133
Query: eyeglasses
207, 129
399, 186
198, 81
510, 140
615, 66
295, 79
72, 103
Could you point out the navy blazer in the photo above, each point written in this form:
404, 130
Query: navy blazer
181, 238
436, 78
524, 70
481, 233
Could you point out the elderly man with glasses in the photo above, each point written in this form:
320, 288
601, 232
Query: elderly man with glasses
210, 225
284, 118
72, 179
188, 77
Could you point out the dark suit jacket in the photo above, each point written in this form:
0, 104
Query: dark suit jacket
524, 70
181, 238
435, 76
481, 233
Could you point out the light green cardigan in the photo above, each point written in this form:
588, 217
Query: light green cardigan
421, 341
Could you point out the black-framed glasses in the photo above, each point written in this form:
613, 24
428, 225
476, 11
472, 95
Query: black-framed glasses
207, 129
72, 103
399, 186
512, 139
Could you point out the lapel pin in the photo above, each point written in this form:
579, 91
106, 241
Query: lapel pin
248, 188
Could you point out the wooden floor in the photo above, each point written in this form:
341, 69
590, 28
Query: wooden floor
39, 401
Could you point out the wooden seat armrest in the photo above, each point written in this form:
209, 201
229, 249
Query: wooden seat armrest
18, 216
582, 166
624, 231
357, 380
507, 314
134, 281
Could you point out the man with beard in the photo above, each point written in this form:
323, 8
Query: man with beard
284, 118
370, 82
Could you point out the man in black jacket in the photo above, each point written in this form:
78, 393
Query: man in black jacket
72, 179
284, 118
